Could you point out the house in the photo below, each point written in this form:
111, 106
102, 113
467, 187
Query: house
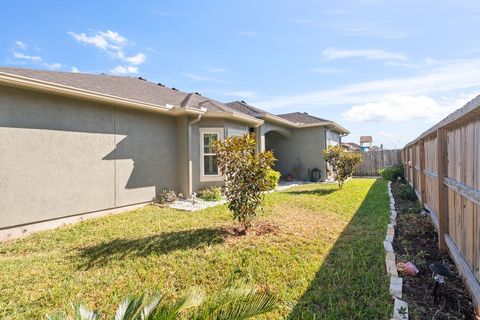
74, 144
366, 142
351, 146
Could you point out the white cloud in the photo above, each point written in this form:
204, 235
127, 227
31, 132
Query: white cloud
328, 71
447, 76
114, 44
104, 39
24, 56
242, 94
21, 45
370, 54
75, 70
124, 70
21, 53
375, 31
398, 108
53, 66
136, 59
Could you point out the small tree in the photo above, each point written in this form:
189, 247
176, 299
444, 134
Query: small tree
245, 175
341, 163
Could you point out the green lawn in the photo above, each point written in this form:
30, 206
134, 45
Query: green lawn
327, 259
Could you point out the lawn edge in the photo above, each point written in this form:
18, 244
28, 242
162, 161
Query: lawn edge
400, 307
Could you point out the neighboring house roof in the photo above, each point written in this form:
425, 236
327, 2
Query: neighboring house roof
366, 139
352, 146
126, 91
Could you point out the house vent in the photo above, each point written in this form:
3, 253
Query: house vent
160, 84
198, 94
243, 102
140, 78
175, 89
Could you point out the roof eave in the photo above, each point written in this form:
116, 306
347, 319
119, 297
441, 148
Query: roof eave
21, 82
234, 116
332, 124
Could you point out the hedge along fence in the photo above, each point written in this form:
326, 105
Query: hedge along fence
443, 166
372, 161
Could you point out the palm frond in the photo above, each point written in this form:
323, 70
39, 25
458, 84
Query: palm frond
172, 311
129, 308
150, 307
81, 312
236, 304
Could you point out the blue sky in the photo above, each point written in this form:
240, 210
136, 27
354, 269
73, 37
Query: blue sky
384, 68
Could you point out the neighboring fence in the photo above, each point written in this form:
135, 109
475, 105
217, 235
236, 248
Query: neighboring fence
443, 165
372, 161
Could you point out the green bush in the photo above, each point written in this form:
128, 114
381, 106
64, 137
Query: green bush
245, 173
273, 177
341, 163
392, 173
211, 194
414, 209
166, 196
406, 192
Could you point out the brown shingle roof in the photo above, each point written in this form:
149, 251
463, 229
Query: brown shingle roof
243, 107
125, 87
302, 117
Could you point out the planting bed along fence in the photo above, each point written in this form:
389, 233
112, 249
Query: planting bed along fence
443, 166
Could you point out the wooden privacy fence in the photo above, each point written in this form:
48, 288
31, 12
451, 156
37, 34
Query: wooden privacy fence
372, 161
443, 166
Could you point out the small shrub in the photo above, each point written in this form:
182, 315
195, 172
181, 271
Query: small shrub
166, 196
392, 173
414, 209
245, 173
341, 163
211, 194
273, 177
405, 191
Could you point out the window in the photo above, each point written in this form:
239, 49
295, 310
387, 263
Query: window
208, 160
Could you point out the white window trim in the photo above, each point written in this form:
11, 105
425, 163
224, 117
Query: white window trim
203, 177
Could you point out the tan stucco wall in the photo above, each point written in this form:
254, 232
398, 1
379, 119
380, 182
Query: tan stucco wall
305, 144
62, 157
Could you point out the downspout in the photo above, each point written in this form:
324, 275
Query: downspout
189, 160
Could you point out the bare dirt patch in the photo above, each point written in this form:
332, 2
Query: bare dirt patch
416, 241
258, 228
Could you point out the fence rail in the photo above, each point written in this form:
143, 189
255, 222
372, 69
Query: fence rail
443, 166
372, 161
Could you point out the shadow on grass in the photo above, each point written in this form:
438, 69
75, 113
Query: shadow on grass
352, 282
318, 192
163, 243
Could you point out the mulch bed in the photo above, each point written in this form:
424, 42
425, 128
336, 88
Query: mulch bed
416, 241
258, 228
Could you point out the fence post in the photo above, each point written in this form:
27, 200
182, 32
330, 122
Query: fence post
421, 148
414, 166
442, 191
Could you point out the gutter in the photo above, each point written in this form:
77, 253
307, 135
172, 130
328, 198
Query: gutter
189, 156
